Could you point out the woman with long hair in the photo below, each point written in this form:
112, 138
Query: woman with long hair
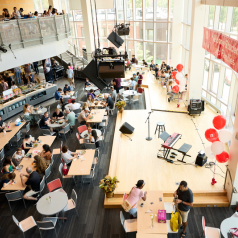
46, 153
90, 100
41, 164
18, 156
7, 179
27, 112
94, 138
8, 167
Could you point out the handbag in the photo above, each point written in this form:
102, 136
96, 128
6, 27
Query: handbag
127, 206
234, 232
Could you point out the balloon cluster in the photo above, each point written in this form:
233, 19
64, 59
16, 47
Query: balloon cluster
218, 138
179, 79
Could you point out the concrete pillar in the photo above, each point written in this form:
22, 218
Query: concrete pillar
196, 52
177, 32
88, 27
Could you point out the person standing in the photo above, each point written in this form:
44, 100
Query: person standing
17, 71
113, 94
152, 65
134, 196
117, 84
4, 85
70, 74
134, 60
35, 64
9, 80
70, 118
33, 181
184, 199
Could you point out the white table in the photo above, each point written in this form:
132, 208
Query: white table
89, 88
56, 125
125, 84
39, 111
231, 222
59, 201
99, 133
129, 92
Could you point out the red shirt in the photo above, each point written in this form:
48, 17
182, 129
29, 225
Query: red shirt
118, 82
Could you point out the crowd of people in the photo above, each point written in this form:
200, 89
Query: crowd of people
19, 14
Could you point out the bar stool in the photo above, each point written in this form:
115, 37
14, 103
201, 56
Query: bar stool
160, 127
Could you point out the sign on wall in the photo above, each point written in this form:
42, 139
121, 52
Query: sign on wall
222, 47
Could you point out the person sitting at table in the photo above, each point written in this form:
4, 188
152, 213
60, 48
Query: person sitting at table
41, 164
67, 88
132, 84
163, 75
134, 60
94, 138
113, 94
87, 83
7, 179
109, 103
24, 78
58, 94
27, 143
70, 118
134, 196
144, 63
156, 69
135, 77
14, 86
162, 65
9, 80
15, 14
46, 152
91, 92
1, 124
67, 155
45, 121
84, 115
58, 114
18, 156
170, 91
28, 116
65, 95
8, 166
74, 105
31, 78
6, 14
90, 101
152, 65
128, 64
33, 182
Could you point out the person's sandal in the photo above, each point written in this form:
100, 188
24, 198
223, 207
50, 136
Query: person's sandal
183, 234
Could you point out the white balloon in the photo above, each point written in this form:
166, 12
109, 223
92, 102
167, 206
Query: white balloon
179, 76
209, 153
225, 135
217, 147
182, 82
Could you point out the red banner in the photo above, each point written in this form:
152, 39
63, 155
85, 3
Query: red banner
222, 47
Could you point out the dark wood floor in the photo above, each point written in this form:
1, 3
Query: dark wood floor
94, 221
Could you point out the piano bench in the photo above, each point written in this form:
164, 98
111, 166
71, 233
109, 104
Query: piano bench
160, 127
184, 149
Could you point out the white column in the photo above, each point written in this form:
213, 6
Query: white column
88, 27
196, 52
177, 32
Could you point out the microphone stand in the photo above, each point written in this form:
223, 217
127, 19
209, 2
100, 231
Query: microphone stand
148, 119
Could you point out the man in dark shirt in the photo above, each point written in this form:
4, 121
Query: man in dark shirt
145, 63
44, 122
9, 80
33, 181
134, 60
117, 84
109, 103
1, 123
67, 88
152, 65
156, 69
184, 199
87, 83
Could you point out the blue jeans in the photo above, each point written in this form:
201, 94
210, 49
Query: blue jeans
133, 212
18, 76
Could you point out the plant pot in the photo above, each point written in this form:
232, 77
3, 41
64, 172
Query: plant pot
109, 195
121, 110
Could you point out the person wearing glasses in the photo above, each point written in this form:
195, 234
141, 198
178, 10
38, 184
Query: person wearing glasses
135, 195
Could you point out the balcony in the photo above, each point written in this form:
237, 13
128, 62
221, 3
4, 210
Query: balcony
24, 33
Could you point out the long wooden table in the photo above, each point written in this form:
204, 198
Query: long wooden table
79, 167
4, 139
28, 162
143, 218
98, 115
140, 235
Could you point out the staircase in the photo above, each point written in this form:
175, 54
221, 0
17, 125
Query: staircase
200, 199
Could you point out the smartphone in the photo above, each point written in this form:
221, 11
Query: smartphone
160, 199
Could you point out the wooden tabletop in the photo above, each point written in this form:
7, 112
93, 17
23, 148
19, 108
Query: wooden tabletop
44, 140
6, 138
71, 93
79, 167
140, 235
97, 116
100, 104
143, 218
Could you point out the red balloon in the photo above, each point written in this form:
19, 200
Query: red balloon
223, 157
176, 89
176, 81
219, 122
173, 74
211, 135
179, 67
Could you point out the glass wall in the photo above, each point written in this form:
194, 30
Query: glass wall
220, 82
150, 28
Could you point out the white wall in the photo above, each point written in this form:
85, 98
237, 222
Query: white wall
32, 54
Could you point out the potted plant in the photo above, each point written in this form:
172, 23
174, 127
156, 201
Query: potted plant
120, 105
108, 185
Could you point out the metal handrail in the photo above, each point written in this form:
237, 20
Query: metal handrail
233, 188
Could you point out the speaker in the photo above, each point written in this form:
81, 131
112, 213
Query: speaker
115, 39
201, 158
91, 73
112, 69
125, 31
126, 128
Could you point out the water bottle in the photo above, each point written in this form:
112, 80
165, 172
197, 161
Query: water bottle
5, 132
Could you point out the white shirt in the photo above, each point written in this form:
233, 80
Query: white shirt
66, 96
17, 156
67, 156
75, 106
16, 14
14, 87
89, 103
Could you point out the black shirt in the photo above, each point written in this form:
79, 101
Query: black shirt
60, 114
34, 181
156, 69
9, 82
1, 123
110, 102
152, 66
87, 84
168, 67
43, 120
186, 196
